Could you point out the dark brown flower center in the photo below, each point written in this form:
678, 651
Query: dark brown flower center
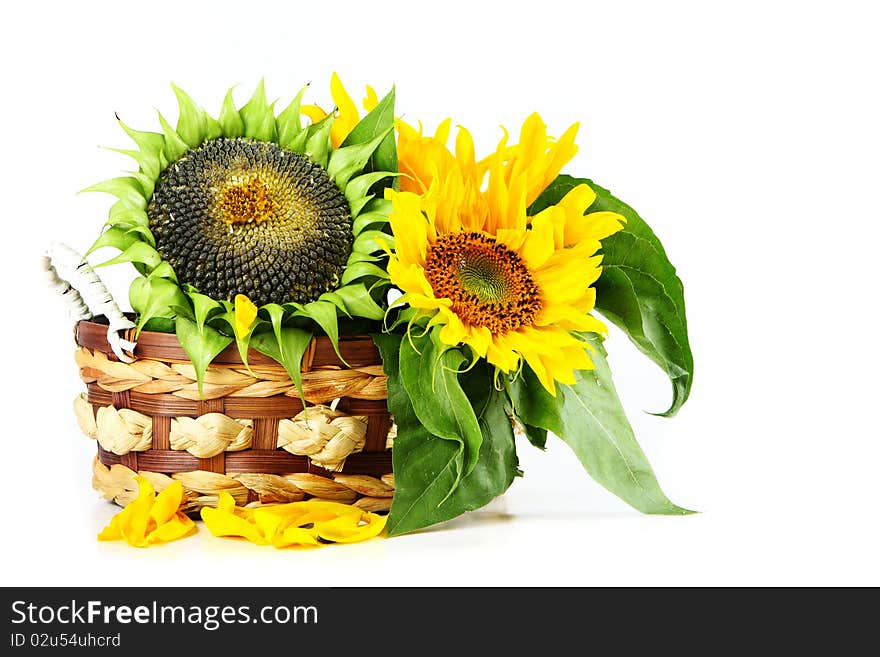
488, 283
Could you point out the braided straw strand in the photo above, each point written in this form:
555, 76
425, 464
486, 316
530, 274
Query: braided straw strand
210, 434
179, 379
326, 436
117, 483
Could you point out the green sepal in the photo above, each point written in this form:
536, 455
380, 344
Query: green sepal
230, 120
175, 147
367, 220
318, 143
116, 237
147, 183
323, 313
639, 289
377, 122
150, 147
359, 186
288, 124
136, 253
204, 307
588, 416
362, 270
426, 465
154, 297
258, 116
370, 241
192, 121
202, 344
127, 189
285, 345
355, 301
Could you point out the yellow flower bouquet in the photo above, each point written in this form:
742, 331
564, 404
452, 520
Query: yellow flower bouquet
273, 250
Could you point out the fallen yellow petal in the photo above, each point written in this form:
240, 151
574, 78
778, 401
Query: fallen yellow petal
222, 523
150, 519
312, 522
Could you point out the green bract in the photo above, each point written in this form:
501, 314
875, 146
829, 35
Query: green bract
256, 204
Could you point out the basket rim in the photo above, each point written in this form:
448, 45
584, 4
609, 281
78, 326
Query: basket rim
358, 350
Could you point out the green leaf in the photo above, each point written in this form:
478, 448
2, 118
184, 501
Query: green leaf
536, 435
638, 290
285, 345
378, 122
259, 116
426, 466
347, 160
230, 120
201, 344
429, 372
588, 416
192, 120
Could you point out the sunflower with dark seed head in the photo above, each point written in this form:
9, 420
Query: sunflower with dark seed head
257, 217
512, 287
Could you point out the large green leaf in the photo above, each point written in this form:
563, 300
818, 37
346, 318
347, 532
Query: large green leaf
426, 466
639, 290
588, 416
377, 122
429, 372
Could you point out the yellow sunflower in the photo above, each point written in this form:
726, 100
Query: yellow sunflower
511, 286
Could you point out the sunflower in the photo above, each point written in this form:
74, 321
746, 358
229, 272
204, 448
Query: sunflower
253, 221
467, 255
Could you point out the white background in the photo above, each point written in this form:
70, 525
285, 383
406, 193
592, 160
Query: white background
746, 135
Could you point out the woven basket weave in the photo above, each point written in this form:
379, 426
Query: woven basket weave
248, 433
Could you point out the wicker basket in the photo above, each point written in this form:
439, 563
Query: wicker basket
248, 433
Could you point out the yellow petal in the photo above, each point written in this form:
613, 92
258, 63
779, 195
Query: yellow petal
371, 99
224, 523
347, 115
296, 536
167, 503
442, 132
177, 527
245, 315
348, 529
454, 331
314, 113
409, 279
479, 338
409, 226
539, 243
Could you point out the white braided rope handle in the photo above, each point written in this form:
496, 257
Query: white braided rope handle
68, 273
